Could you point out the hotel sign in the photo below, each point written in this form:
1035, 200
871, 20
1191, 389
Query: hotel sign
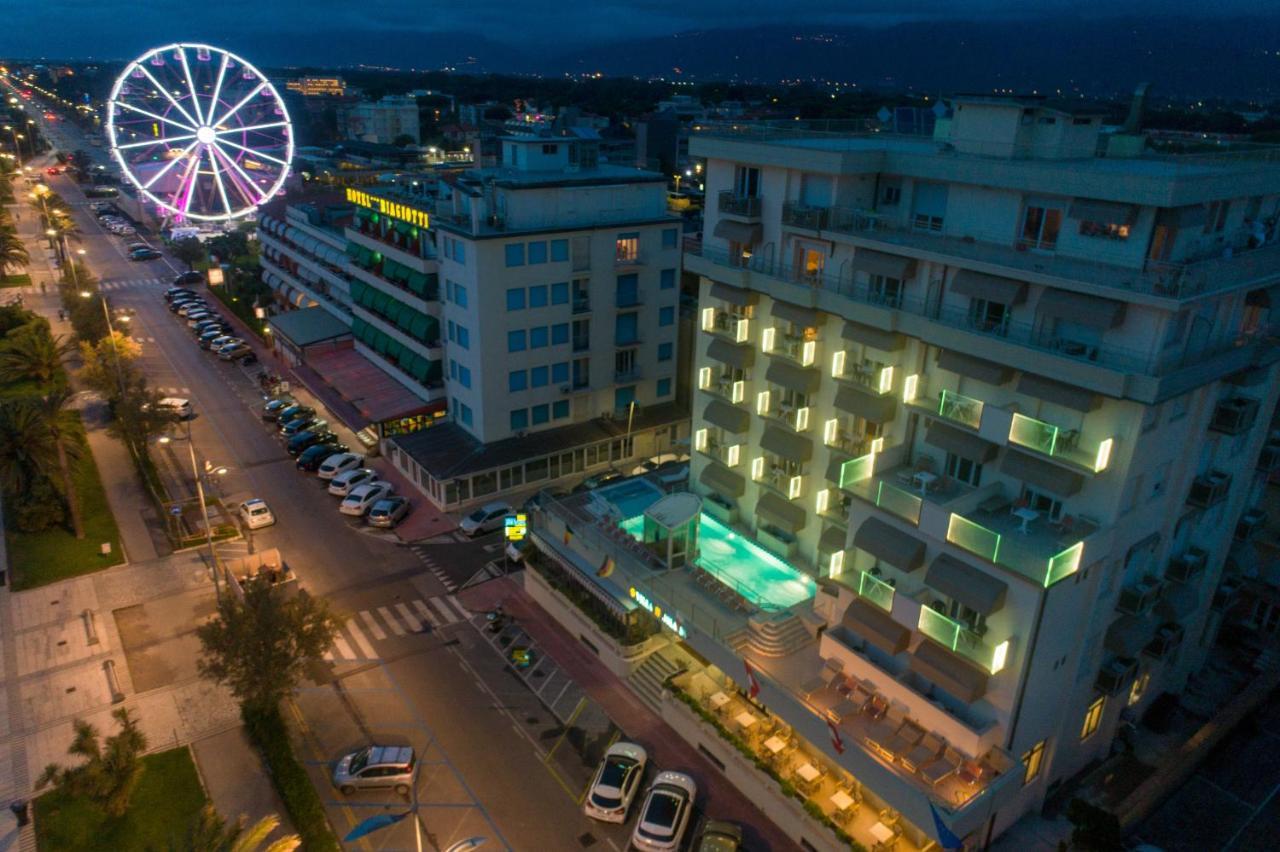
394, 209
657, 612
516, 526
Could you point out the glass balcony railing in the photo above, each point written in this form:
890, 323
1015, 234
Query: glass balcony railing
736, 328
857, 470
974, 537
876, 590
1024, 553
877, 380
1059, 443
960, 409
729, 455
896, 501
803, 352
963, 640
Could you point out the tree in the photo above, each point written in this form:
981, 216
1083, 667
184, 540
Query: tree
32, 353
111, 769
62, 426
26, 452
13, 252
138, 415
40, 508
209, 832
259, 647
109, 364
188, 250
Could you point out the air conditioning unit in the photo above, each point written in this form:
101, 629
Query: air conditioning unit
1234, 415
1115, 674
1137, 598
1209, 489
1187, 565
1269, 458
1168, 637
1250, 522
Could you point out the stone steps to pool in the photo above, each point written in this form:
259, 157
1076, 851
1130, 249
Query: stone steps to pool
777, 634
649, 679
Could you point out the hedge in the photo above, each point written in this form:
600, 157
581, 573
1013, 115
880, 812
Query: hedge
269, 733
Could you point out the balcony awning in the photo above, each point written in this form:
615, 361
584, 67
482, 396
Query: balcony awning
885, 341
733, 295
960, 581
727, 417
1041, 474
877, 409
964, 444
1102, 212
834, 467
778, 511
957, 676
799, 379
1191, 216
992, 288
1128, 635
902, 551
1080, 308
1177, 602
880, 263
832, 539
876, 626
974, 368
735, 355
1058, 393
801, 316
789, 445
722, 480
739, 232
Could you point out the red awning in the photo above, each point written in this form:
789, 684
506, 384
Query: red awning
362, 383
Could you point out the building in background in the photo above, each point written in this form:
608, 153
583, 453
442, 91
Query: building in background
317, 86
383, 121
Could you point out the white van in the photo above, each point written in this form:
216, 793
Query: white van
178, 407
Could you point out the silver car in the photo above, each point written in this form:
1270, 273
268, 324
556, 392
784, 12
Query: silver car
376, 766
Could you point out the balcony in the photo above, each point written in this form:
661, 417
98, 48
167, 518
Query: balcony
877, 380
804, 216
1187, 565
959, 408
726, 387
796, 347
1116, 675
1059, 444
1138, 597
1250, 523
628, 374
729, 325
1209, 489
877, 591
779, 477
1234, 416
729, 455
961, 639
581, 343
743, 206
1269, 458
794, 417
838, 437
1168, 637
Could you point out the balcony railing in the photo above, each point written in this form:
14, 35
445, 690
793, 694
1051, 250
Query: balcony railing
725, 387
736, 328
581, 306
795, 417
959, 408
1042, 338
803, 352
628, 298
961, 639
875, 590
779, 478
877, 380
747, 206
1059, 443
729, 455
628, 374
804, 216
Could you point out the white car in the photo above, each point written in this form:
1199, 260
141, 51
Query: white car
665, 816
339, 463
341, 485
361, 498
489, 517
256, 514
616, 783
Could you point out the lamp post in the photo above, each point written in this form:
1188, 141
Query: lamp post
14, 134
214, 565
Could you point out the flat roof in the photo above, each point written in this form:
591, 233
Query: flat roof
366, 386
307, 326
448, 450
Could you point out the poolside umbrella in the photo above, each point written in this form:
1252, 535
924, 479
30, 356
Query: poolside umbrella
751, 677
836, 741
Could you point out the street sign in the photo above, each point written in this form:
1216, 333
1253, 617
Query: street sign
516, 527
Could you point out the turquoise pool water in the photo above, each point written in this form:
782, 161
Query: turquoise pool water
743, 565
631, 496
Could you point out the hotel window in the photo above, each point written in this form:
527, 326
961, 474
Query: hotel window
1032, 762
517, 381
538, 377
1046, 504
515, 299
929, 206
966, 470
626, 329
538, 296
664, 351
560, 293
989, 317
1040, 226
885, 291
464, 412
664, 388
627, 248
746, 182
516, 341
1139, 688
537, 252
460, 295
560, 372
519, 419
559, 333
541, 414
560, 409
464, 336
666, 316
538, 337
464, 376
1092, 717
669, 237
890, 194
667, 279
559, 250
515, 254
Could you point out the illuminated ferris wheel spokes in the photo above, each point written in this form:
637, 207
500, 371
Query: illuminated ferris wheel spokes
201, 133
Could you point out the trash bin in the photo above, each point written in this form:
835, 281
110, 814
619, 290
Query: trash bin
21, 811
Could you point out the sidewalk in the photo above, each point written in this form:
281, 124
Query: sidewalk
234, 778
666, 749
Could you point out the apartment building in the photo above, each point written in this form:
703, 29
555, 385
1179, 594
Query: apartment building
1000, 395
556, 308
382, 121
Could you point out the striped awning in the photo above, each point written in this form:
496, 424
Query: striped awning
793, 377
786, 444
878, 408
876, 626
778, 511
733, 354
962, 582
728, 417
902, 551
722, 480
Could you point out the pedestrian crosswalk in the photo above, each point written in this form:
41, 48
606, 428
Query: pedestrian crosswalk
113, 284
355, 641
438, 572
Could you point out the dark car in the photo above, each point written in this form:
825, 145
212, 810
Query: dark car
308, 438
276, 405
191, 277
303, 424
144, 254
313, 456
177, 304
176, 292
294, 411
208, 337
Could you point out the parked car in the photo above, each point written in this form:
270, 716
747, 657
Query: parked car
292, 412
339, 463
375, 766
190, 277
217, 342
312, 457
665, 816
274, 406
341, 485
307, 438
195, 306
178, 407
212, 332
310, 424
616, 782
361, 498
142, 254
198, 317
182, 301
174, 292
388, 512
231, 353
255, 514
489, 517
718, 836
209, 322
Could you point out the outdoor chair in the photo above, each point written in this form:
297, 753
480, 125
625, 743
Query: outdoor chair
923, 752
937, 771
907, 737
831, 669
881, 734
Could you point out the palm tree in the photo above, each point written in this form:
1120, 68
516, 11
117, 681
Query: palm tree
210, 833
106, 776
13, 252
25, 449
62, 427
33, 353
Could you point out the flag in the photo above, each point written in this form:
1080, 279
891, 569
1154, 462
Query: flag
946, 837
836, 742
751, 677
606, 567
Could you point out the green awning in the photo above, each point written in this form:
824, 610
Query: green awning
417, 283
418, 327
353, 251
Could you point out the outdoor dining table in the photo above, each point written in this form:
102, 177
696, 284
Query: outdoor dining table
808, 773
775, 744
745, 720
881, 832
718, 700
842, 800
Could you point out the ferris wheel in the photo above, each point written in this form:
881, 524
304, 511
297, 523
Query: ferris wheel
200, 132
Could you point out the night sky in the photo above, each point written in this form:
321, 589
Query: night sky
343, 31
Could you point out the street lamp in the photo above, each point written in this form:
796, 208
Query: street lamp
204, 506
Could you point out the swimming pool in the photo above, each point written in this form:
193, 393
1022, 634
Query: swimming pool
631, 496
743, 565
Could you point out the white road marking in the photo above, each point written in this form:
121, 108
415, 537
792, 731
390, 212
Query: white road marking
372, 624
427, 615
444, 611
391, 620
363, 643
409, 618
343, 648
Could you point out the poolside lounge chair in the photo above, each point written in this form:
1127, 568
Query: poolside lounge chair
944, 767
906, 738
881, 733
831, 669
924, 752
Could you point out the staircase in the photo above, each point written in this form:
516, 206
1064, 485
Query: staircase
647, 681
777, 635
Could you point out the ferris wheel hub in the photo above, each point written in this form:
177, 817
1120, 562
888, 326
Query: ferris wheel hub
205, 135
